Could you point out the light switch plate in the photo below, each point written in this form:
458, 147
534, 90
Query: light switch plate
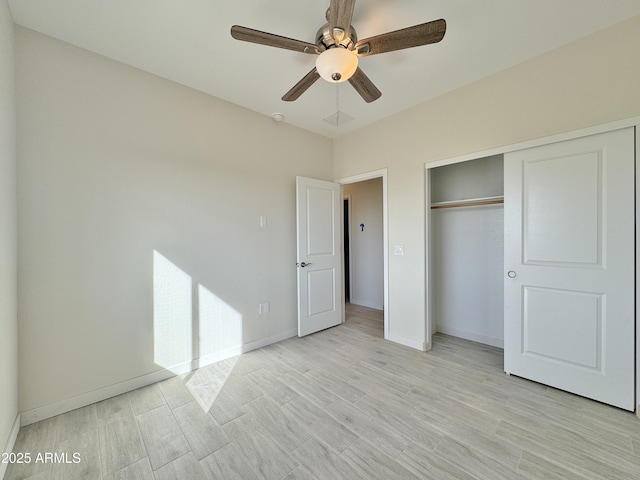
398, 249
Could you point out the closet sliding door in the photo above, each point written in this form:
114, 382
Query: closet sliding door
569, 266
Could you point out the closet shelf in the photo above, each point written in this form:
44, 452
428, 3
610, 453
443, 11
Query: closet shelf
470, 202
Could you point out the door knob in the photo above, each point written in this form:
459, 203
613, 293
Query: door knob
511, 274
303, 264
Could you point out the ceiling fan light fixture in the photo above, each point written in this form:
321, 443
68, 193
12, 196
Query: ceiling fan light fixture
337, 64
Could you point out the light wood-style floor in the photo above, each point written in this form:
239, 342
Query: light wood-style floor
342, 404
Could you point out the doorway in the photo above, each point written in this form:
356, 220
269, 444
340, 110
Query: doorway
366, 244
363, 234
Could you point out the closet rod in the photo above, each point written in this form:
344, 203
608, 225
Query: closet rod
468, 203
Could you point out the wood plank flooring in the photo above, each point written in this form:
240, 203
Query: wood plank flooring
341, 404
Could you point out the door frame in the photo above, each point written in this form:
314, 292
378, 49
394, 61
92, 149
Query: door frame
382, 173
606, 127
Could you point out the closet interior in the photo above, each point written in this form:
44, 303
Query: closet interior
467, 249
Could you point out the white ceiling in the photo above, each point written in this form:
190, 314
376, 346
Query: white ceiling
188, 41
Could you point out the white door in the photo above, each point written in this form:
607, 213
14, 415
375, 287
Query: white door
569, 263
319, 262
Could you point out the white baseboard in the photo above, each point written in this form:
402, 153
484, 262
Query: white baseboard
474, 337
408, 342
269, 340
82, 400
11, 441
363, 303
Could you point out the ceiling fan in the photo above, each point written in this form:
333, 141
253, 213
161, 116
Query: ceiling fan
338, 48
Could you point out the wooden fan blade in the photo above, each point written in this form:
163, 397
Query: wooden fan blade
340, 15
263, 38
365, 87
302, 86
423, 34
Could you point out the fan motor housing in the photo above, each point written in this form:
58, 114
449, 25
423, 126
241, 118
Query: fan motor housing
325, 38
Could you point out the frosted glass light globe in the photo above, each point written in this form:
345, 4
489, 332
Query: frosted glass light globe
337, 64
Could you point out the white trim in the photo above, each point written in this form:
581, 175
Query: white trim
408, 342
269, 340
637, 181
382, 173
239, 350
429, 327
216, 357
11, 442
560, 137
474, 337
82, 400
362, 177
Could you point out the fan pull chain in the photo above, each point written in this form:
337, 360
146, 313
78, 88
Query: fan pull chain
337, 104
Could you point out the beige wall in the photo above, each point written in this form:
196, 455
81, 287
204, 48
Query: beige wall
589, 82
8, 226
115, 164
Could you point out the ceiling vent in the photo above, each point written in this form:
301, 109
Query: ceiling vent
339, 118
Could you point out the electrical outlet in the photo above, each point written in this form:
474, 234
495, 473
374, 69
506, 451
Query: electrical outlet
263, 308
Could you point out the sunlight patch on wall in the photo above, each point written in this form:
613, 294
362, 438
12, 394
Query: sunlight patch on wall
196, 334
220, 324
172, 315
219, 337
